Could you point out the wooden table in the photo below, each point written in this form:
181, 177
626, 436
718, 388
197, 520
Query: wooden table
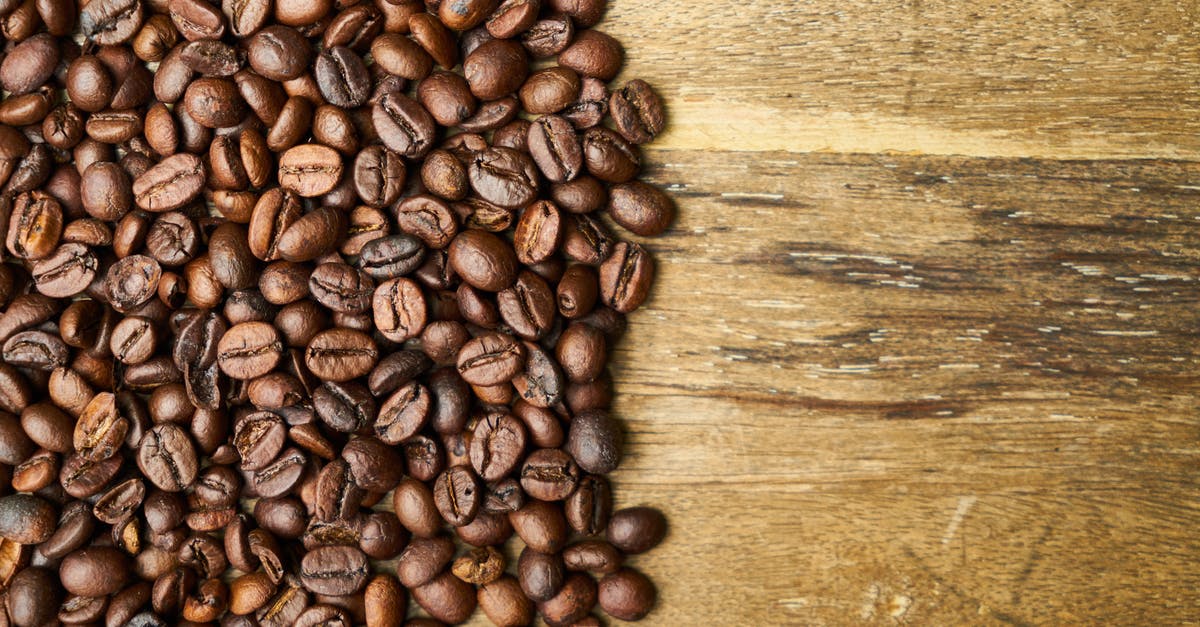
924, 345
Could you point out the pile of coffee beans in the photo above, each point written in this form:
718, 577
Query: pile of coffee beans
307, 308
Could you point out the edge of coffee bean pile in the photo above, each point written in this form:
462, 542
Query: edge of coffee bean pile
307, 312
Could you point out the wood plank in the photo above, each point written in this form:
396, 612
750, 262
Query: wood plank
990, 78
877, 389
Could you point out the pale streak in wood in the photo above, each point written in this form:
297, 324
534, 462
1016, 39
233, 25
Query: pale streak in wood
989, 78
880, 389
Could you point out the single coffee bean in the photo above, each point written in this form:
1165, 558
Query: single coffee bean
310, 169
35, 225
312, 235
167, 457
636, 529
379, 176
549, 475
249, 350
497, 446
457, 494
376, 466
341, 354
171, 184
593, 53
26, 519
627, 595
626, 276
385, 601
95, 571
576, 598
100, 431
403, 125
595, 556
213, 102
540, 525
342, 77
589, 508
341, 288
504, 177
549, 36
490, 359
36, 350
496, 68
392, 256
555, 148
245, 16
334, 570
196, 19
540, 575
259, 438
446, 598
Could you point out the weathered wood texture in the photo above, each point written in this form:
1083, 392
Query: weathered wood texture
880, 388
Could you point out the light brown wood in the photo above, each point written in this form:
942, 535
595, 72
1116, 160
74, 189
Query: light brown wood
879, 388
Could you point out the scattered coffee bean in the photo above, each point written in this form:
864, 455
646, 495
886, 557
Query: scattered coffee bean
311, 260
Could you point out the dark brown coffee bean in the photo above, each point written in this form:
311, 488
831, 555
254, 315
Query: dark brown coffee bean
447, 97
589, 508
312, 235
626, 276
504, 603
541, 575
249, 592
342, 77
403, 125
341, 354
167, 457
334, 570
281, 475
595, 441
627, 595
35, 226
595, 556
550, 90
572, 603
540, 525
578, 291
392, 256
29, 64
82, 478
196, 19
95, 571
376, 466
34, 595
245, 16
26, 519
458, 495
446, 598
643, 209
636, 529
504, 177
498, 445
36, 350
492, 115
549, 475
214, 102
170, 185
100, 431
401, 56
483, 260
259, 438
341, 288
379, 176
496, 69
491, 359
209, 57
549, 36
555, 148
249, 350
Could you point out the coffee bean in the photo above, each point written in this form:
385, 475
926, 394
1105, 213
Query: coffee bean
249, 350
342, 77
171, 184
403, 125
26, 519
457, 495
310, 169
385, 601
36, 350
213, 103
379, 176
549, 475
334, 570
541, 575
376, 466
35, 225
312, 235
555, 148
341, 287
490, 359
446, 598
341, 354
636, 529
196, 19
30, 64
245, 16
576, 598
496, 68
540, 525
167, 457
504, 177
627, 595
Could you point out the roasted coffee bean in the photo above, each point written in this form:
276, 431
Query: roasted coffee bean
541, 575
334, 570
281, 475
490, 359
625, 277
310, 169
555, 148
446, 598
504, 177
196, 19
627, 595
313, 234
573, 602
549, 475
379, 176
341, 354
391, 256
345, 407
167, 457
171, 184
35, 225
342, 77
589, 508
457, 495
376, 466
27, 519
504, 602
403, 125
249, 350
245, 16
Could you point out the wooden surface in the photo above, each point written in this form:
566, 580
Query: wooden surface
924, 346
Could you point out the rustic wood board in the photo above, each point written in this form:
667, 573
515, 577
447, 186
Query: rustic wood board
924, 345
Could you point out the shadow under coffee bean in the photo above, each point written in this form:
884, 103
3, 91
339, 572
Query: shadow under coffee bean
303, 326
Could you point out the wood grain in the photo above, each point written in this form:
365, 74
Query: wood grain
991, 77
881, 384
